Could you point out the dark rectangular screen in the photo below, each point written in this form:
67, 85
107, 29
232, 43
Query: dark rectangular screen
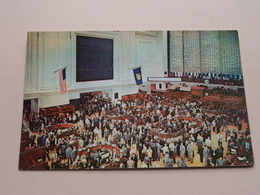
94, 59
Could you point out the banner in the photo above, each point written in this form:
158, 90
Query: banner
138, 76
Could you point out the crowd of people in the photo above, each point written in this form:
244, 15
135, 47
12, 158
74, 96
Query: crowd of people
209, 78
213, 76
128, 126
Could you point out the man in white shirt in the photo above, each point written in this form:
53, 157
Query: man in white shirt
208, 143
219, 138
96, 133
54, 158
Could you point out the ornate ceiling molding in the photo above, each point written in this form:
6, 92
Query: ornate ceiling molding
146, 33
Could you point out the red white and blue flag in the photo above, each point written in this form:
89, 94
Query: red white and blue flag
63, 84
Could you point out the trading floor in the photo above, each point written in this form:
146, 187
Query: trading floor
142, 130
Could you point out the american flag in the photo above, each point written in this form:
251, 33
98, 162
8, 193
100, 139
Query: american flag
63, 84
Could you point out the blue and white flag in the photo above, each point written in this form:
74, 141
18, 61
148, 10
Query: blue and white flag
138, 76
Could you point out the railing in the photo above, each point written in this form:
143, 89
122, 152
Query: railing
213, 81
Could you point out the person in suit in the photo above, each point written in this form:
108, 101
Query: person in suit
141, 156
135, 159
166, 157
190, 152
214, 155
106, 133
220, 162
74, 153
68, 154
96, 133
147, 160
54, 159
150, 154
130, 163
182, 150
181, 163
206, 154
74, 164
169, 163
158, 147
84, 162
210, 162
208, 143
200, 151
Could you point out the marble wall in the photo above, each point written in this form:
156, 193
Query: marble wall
49, 51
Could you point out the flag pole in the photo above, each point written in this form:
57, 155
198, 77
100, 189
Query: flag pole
60, 69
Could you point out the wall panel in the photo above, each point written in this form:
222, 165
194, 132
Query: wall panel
230, 54
204, 51
191, 44
176, 51
210, 52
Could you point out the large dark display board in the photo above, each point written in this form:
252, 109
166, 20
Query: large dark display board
94, 59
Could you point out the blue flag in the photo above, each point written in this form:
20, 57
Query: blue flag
138, 76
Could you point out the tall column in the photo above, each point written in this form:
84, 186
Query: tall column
31, 71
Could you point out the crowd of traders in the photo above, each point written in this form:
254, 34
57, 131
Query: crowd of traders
127, 125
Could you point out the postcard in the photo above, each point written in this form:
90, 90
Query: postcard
111, 100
